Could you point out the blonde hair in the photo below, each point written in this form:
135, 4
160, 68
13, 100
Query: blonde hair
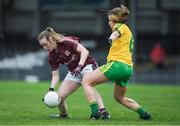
119, 14
57, 37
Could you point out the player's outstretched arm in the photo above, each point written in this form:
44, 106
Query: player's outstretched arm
55, 79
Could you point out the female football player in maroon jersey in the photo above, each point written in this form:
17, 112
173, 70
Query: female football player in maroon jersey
68, 51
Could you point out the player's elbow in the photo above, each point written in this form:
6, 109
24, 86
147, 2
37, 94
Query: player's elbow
87, 52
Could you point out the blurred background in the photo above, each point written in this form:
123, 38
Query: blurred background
154, 23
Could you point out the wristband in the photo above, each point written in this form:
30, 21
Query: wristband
51, 89
110, 41
79, 65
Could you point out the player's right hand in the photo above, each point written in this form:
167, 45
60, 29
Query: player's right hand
77, 71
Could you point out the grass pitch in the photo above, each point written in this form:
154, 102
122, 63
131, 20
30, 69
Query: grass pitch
20, 104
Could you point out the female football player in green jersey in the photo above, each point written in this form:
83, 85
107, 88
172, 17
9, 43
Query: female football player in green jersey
119, 67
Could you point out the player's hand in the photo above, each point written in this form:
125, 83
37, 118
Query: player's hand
51, 89
110, 41
77, 71
95, 66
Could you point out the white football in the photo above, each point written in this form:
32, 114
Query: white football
52, 99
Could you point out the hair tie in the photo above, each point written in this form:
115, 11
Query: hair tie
49, 29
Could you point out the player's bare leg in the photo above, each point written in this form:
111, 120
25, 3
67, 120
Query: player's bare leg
66, 88
119, 95
90, 80
104, 114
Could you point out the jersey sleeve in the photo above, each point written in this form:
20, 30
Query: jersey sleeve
72, 45
53, 63
120, 28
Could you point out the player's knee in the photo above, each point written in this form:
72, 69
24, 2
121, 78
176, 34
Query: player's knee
87, 82
119, 99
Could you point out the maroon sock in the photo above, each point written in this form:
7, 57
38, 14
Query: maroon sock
102, 110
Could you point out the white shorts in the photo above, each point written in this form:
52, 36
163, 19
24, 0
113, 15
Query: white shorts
78, 78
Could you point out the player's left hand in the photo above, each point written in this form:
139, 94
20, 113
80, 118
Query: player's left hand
77, 71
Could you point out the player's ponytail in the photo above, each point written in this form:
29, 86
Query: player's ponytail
49, 32
56, 36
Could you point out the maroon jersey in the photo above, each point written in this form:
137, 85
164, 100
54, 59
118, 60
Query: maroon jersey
67, 54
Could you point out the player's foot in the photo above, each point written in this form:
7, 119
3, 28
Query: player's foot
105, 115
95, 116
146, 116
59, 116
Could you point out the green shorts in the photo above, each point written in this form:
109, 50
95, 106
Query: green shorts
117, 72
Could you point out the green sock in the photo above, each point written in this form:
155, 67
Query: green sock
140, 111
94, 107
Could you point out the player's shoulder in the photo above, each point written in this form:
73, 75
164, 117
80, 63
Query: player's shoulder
73, 39
122, 25
119, 26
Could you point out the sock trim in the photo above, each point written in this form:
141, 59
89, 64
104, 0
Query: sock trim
93, 103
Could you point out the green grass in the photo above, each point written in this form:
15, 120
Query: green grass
20, 103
